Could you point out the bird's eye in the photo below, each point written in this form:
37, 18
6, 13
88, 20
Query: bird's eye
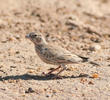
33, 36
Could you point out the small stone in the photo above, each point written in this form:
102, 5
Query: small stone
96, 40
48, 95
95, 75
55, 91
17, 52
83, 80
11, 81
108, 64
12, 66
17, 37
30, 90
31, 71
9, 39
1, 66
83, 94
90, 82
95, 47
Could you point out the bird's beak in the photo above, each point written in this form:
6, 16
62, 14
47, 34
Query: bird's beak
27, 36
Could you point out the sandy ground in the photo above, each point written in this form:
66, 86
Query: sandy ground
80, 26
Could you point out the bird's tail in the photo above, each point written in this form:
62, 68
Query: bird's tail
94, 63
86, 59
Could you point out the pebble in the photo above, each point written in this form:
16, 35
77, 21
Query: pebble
30, 90
90, 82
95, 47
48, 95
17, 37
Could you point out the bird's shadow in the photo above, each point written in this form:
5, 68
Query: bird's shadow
38, 77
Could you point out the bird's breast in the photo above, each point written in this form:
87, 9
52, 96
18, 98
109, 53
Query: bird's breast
44, 55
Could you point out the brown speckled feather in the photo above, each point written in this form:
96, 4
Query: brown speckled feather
56, 55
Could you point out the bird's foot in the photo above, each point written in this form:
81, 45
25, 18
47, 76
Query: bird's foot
47, 74
53, 76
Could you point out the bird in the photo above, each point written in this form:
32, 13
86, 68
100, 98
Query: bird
53, 54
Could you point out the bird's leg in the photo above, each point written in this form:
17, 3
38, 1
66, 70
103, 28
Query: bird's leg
54, 70
56, 76
64, 67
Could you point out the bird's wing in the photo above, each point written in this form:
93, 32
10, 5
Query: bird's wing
62, 55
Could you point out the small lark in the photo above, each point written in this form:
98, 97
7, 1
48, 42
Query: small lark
52, 54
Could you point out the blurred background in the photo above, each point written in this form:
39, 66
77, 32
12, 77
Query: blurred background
80, 26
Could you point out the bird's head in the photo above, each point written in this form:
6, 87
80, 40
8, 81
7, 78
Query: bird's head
36, 38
